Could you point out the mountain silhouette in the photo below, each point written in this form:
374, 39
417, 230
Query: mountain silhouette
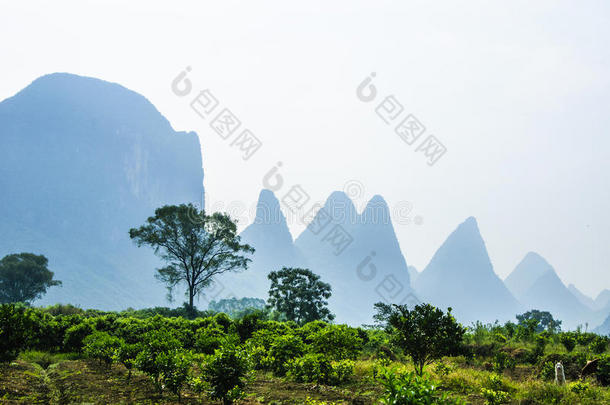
547, 292
358, 254
460, 275
270, 236
83, 161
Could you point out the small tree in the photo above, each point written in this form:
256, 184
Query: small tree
195, 246
424, 333
300, 295
226, 373
24, 277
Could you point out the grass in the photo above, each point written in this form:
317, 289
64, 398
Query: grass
67, 381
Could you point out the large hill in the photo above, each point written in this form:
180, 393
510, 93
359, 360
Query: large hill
460, 275
84, 160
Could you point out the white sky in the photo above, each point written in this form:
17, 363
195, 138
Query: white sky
517, 91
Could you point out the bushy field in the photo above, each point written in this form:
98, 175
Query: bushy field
66, 355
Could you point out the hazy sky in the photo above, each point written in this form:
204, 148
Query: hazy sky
517, 91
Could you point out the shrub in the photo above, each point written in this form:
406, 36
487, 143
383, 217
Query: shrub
410, 388
503, 361
283, 349
493, 397
126, 355
75, 335
337, 342
101, 346
315, 367
579, 387
599, 344
603, 370
226, 373
150, 360
208, 339
568, 341
15, 331
175, 369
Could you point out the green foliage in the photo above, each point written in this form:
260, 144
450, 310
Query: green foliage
24, 277
425, 333
493, 397
300, 295
226, 373
599, 344
603, 370
336, 342
174, 369
15, 330
503, 361
568, 341
75, 335
544, 321
410, 389
579, 387
209, 338
101, 346
237, 307
126, 354
316, 368
152, 358
282, 349
195, 246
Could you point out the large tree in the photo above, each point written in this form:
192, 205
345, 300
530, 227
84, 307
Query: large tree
195, 246
300, 295
24, 277
424, 333
541, 320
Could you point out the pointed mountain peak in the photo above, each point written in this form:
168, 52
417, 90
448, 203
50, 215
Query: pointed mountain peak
268, 209
526, 273
341, 208
376, 211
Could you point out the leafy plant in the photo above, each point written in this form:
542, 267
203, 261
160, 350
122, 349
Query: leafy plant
425, 333
410, 389
226, 373
315, 367
568, 341
102, 346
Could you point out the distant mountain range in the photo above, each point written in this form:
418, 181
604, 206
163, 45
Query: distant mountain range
84, 160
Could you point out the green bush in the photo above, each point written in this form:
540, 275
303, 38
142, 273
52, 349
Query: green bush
175, 369
75, 335
493, 397
337, 342
208, 339
226, 373
150, 360
568, 341
599, 344
410, 389
283, 349
15, 331
503, 361
101, 346
603, 370
126, 354
315, 367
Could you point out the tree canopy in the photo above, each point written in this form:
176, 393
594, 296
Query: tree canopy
300, 295
195, 246
24, 277
544, 320
424, 333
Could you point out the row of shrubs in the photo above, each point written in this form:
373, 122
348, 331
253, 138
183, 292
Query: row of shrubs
213, 354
